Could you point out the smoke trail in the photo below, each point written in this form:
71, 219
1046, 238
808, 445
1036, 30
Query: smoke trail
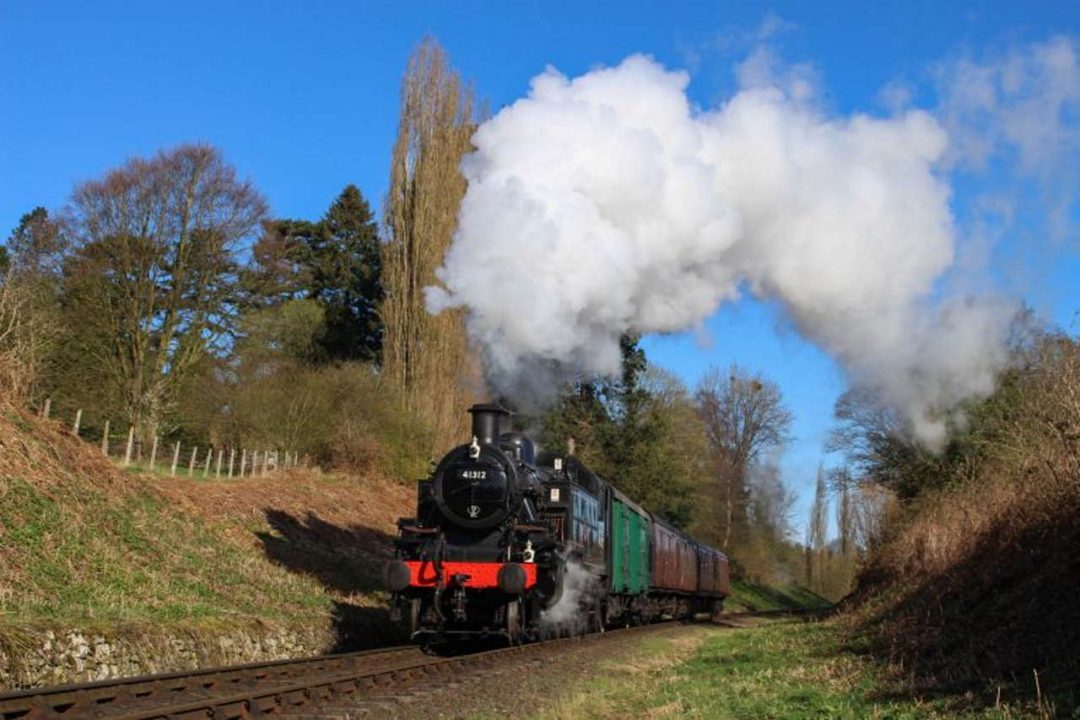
569, 615
607, 203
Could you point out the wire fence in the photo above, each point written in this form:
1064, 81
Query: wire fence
172, 457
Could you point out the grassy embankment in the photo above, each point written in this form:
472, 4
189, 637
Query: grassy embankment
779, 669
85, 545
750, 597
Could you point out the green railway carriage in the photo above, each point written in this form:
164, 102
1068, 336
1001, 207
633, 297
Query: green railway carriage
628, 565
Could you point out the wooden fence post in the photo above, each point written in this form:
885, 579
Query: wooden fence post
105, 440
255, 464
232, 456
130, 445
153, 454
48, 406
217, 472
78, 421
191, 462
175, 457
243, 461
209, 457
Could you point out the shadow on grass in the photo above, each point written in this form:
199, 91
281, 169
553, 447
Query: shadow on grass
766, 598
348, 561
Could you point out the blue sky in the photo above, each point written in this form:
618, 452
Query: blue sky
302, 98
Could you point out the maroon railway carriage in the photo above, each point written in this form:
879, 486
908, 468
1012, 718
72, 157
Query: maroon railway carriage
714, 572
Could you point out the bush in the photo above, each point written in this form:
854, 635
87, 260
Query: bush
372, 428
342, 417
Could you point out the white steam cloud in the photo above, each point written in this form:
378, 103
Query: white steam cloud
570, 613
607, 203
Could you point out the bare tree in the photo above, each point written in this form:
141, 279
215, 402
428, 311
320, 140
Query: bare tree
743, 415
843, 486
28, 302
877, 445
426, 355
771, 502
817, 534
25, 334
870, 505
148, 290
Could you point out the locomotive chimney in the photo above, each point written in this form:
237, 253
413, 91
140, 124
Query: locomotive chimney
487, 423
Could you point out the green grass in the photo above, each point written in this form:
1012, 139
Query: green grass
787, 669
87, 558
750, 597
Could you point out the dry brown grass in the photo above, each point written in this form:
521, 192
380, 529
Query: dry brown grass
979, 583
84, 544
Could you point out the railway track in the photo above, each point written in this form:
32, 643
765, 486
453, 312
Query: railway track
288, 688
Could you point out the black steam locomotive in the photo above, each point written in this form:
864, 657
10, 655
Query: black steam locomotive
508, 541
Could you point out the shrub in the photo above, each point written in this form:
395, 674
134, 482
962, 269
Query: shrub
343, 417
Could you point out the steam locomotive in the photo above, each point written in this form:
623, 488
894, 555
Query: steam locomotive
512, 542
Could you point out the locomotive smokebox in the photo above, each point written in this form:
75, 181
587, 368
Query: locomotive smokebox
487, 422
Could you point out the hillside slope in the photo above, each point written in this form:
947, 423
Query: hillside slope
89, 551
975, 588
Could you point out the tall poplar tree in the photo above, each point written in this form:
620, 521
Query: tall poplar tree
427, 356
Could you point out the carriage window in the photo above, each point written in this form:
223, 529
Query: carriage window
588, 525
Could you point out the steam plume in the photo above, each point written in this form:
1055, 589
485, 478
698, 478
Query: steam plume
569, 616
607, 203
